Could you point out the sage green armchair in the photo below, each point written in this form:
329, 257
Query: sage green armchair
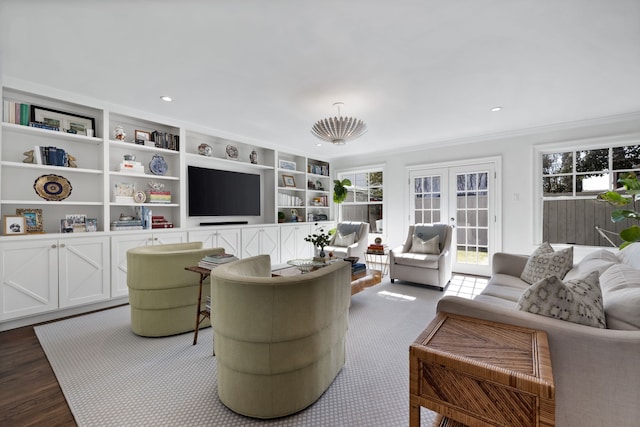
162, 294
279, 341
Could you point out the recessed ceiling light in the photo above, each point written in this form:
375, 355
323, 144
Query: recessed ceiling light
494, 109
166, 98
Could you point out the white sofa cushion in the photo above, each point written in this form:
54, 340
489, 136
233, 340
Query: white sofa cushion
545, 262
577, 301
599, 260
631, 255
430, 246
344, 239
621, 297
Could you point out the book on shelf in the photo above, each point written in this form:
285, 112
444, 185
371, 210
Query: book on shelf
159, 196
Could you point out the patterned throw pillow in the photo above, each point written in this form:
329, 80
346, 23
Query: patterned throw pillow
342, 240
431, 246
545, 262
577, 301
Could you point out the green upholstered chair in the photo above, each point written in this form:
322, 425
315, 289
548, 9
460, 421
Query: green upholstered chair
279, 341
162, 294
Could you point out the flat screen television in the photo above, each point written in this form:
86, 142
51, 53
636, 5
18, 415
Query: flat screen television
214, 192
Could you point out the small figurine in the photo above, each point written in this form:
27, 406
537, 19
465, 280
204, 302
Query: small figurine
119, 133
205, 150
156, 186
29, 157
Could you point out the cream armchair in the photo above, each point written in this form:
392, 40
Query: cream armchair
351, 239
162, 294
425, 257
279, 341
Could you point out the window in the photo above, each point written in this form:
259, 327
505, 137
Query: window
571, 180
364, 200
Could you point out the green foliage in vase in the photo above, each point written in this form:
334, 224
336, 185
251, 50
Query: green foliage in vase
632, 189
340, 190
320, 238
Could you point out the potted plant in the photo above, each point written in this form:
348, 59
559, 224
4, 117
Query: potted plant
340, 190
280, 216
319, 239
632, 189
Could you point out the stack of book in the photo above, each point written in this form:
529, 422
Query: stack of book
131, 166
357, 268
376, 249
159, 221
126, 225
159, 196
212, 261
16, 112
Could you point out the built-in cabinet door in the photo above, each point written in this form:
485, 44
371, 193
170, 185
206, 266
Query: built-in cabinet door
29, 278
83, 270
227, 238
121, 244
292, 243
261, 241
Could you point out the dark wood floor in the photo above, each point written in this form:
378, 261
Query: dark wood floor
29, 392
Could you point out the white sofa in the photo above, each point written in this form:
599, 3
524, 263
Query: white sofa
596, 371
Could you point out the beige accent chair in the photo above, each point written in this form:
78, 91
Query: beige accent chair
342, 245
279, 341
162, 294
422, 263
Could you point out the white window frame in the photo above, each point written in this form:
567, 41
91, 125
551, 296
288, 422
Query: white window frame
366, 169
564, 146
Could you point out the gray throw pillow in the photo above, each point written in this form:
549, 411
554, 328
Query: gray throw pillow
577, 301
545, 262
431, 246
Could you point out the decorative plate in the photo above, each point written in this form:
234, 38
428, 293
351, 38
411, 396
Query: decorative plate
232, 152
158, 165
52, 187
139, 197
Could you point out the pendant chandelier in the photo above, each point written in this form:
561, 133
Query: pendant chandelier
339, 130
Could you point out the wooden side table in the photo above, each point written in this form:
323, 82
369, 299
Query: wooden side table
481, 373
201, 313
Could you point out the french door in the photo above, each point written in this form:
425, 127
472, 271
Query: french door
464, 196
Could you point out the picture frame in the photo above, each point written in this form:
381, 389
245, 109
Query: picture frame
92, 225
66, 226
288, 181
14, 225
67, 122
286, 164
33, 219
141, 135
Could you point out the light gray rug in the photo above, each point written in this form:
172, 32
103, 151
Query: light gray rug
111, 377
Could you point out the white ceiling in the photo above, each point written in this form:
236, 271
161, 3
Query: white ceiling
417, 72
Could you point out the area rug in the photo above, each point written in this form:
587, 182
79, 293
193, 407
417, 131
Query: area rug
111, 377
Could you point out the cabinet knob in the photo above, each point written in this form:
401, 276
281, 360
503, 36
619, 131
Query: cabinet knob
53, 246
155, 238
62, 245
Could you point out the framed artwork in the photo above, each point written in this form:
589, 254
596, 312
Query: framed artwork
33, 218
14, 224
288, 181
285, 164
67, 122
142, 135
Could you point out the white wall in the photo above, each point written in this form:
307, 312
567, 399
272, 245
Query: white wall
516, 150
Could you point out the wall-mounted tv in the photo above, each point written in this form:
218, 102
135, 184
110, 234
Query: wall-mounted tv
214, 192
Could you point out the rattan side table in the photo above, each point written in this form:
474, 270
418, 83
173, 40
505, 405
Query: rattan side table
481, 373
